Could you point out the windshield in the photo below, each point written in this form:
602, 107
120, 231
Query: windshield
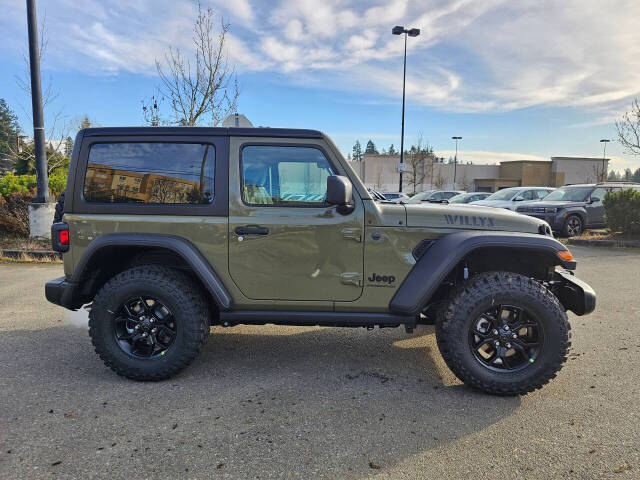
569, 194
419, 197
506, 194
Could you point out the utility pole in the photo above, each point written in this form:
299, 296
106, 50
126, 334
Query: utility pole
42, 179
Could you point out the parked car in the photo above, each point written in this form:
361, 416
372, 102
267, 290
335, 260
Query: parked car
395, 197
434, 196
509, 197
469, 197
573, 208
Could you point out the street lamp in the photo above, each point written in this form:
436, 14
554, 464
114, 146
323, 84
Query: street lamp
413, 32
455, 161
604, 151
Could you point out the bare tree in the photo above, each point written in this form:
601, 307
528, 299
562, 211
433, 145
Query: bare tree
197, 88
439, 180
420, 162
58, 128
629, 129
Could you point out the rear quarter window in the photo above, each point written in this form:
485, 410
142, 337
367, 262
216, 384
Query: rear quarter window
150, 173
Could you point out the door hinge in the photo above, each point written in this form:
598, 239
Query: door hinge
352, 234
351, 278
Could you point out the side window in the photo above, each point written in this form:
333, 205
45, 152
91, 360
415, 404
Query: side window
526, 195
540, 194
284, 175
436, 197
448, 195
599, 193
176, 173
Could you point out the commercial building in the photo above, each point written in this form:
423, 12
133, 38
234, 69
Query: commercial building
381, 172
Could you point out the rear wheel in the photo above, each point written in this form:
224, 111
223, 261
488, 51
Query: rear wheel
572, 226
503, 333
149, 322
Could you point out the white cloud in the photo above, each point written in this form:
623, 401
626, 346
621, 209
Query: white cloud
471, 56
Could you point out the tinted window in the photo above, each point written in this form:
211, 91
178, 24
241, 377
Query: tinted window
448, 195
599, 193
569, 194
277, 175
178, 173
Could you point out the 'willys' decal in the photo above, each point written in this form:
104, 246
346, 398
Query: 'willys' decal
469, 220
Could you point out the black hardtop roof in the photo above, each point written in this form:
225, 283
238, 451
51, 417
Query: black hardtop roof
207, 131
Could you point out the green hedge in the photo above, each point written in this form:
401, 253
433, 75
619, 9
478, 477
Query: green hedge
26, 184
622, 211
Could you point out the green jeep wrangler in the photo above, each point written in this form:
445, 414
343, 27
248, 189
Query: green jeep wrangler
167, 231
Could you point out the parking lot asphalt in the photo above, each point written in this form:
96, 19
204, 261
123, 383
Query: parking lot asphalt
289, 402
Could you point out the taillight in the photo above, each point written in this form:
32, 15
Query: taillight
60, 237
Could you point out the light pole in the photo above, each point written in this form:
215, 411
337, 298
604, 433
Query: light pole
604, 141
413, 32
455, 161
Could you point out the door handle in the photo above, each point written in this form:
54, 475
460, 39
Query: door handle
251, 231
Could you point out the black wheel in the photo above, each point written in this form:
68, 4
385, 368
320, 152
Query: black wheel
503, 333
57, 216
572, 226
149, 322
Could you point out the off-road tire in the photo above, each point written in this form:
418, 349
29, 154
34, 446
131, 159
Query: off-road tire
174, 289
571, 223
57, 216
482, 291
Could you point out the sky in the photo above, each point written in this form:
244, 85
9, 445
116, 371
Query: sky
516, 79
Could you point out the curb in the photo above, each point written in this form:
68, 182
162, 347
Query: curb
605, 243
32, 253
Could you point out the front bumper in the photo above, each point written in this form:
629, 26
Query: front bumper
555, 220
62, 292
573, 293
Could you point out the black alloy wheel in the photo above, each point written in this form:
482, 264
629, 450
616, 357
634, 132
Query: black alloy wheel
506, 338
144, 327
573, 226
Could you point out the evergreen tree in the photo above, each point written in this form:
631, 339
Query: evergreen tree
628, 175
68, 146
9, 129
636, 176
392, 150
613, 176
85, 122
357, 151
371, 147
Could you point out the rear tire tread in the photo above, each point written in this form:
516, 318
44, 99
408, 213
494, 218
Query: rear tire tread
174, 283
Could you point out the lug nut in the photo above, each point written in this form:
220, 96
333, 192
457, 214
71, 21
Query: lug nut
514, 335
494, 331
144, 334
151, 320
136, 327
154, 330
508, 345
496, 343
506, 327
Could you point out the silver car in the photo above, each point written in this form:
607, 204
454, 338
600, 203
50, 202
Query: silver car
509, 197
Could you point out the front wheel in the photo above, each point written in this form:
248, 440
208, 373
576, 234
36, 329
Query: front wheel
503, 333
572, 226
149, 322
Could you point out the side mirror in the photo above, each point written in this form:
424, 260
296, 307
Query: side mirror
594, 200
339, 191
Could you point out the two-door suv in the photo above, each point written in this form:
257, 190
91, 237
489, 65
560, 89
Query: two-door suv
167, 231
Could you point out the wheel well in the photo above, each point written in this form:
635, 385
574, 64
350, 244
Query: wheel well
531, 263
111, 260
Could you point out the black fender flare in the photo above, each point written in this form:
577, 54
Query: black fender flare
179, 245
579, 211
444, 254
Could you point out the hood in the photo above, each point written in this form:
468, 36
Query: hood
469, 217
558, 203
